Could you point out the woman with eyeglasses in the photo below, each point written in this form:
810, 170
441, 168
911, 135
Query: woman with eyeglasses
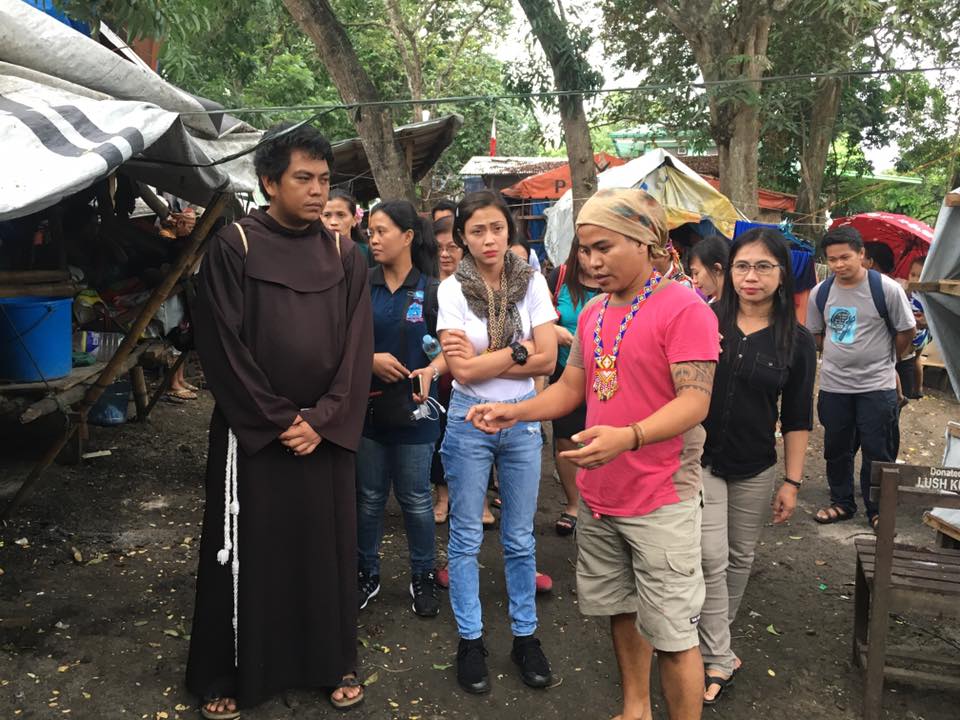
767, 360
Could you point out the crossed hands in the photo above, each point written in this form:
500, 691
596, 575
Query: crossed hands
300, 438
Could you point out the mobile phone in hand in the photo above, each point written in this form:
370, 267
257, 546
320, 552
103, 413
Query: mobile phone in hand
416, 385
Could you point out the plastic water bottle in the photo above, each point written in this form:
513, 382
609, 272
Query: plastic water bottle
431, 346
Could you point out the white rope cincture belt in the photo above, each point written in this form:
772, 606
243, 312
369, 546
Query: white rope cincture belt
231, 529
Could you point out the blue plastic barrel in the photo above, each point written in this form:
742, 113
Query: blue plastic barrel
35, 338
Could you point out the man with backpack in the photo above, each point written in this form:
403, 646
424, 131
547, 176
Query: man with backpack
862, 322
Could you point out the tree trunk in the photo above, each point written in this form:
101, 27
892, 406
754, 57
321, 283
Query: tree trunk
726, 50
374, 124
813, 155
576, 132
552, 34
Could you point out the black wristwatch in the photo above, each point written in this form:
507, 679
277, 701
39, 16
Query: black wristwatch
519, 353
796, 484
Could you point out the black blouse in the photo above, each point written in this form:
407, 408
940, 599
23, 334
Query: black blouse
749, 381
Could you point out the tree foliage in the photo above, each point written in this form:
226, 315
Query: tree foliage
253, 54
810, 36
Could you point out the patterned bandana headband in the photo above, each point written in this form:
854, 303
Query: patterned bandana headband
631, 212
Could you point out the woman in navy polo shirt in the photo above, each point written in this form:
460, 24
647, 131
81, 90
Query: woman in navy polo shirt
396, 446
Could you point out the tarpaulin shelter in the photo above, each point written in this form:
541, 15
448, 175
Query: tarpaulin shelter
552, 184
939, 286
72, 111
907, 238
685, 196
769, 200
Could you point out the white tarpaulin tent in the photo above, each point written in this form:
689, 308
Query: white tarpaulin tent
943, 309
685, 195
72, 111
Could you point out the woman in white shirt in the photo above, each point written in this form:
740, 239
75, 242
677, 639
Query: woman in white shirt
495, 324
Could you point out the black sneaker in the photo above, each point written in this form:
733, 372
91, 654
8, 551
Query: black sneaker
472, 666
423, 590
368, 586
534, 668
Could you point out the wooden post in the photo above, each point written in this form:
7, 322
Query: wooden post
139, 391
880, 597
164, 384
110, 372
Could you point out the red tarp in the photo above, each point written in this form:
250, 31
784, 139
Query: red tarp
906, 237
554, 183
766, 199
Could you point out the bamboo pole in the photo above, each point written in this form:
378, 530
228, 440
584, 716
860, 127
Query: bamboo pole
28, 277
110, 372
71, 396
57, 290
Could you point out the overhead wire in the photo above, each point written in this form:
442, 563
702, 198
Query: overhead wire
702, 84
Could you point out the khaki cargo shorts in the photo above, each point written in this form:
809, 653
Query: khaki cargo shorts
648, 565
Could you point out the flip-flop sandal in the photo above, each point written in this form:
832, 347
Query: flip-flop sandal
838, 515
217, 714
347, 703
723, 683
566, 524
182, 394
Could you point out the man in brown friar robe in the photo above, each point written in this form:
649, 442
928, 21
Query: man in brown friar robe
284, 332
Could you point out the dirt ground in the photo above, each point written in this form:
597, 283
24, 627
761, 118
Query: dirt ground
98, 578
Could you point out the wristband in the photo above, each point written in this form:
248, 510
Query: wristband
638, 432
796, 484
436, 373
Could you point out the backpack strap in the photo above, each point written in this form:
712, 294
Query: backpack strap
879, 299
431, 305
243, 239
822, 294
561, 276
875, 280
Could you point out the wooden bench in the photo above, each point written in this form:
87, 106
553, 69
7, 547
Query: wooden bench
900, 578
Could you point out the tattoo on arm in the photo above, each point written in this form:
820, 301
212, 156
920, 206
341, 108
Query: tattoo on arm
693, 375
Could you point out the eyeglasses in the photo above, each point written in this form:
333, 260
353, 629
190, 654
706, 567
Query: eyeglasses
761, 268
451, 249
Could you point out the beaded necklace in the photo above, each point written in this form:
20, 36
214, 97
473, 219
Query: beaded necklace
605, 383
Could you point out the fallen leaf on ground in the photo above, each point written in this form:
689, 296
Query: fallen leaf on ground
820, 563
438, 666
772, 630
771, 673
371, 679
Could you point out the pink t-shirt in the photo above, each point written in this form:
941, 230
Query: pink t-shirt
674, 325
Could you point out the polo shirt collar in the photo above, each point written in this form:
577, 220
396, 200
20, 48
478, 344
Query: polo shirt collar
411, 281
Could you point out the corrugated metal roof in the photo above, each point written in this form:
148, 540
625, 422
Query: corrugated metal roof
510, 165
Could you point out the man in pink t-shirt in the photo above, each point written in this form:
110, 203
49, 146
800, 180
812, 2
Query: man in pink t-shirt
643, 358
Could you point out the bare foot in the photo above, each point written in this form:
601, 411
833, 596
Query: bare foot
348, 692
221, 705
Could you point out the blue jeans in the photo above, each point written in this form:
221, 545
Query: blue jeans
409, 468
468, 455
869, 418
